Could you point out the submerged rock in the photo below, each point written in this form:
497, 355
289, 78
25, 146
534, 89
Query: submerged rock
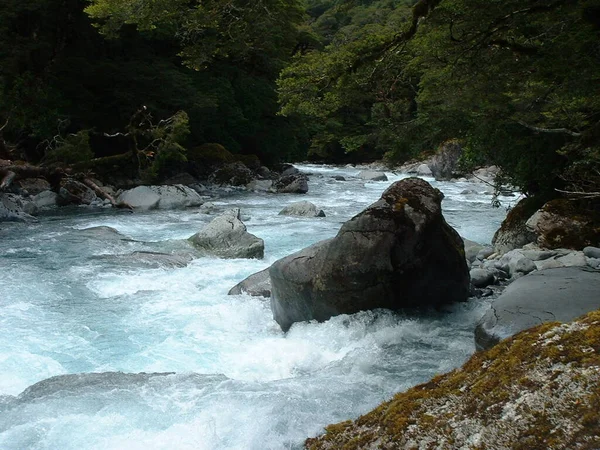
538, 390
554, 294
302, 209
226, 237
397, 253
256, 285
102, 233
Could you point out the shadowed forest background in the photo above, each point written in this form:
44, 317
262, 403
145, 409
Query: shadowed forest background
516, 83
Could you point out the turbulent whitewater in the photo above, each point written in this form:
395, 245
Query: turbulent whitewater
99, 350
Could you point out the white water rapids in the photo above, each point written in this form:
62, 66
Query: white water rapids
201, 369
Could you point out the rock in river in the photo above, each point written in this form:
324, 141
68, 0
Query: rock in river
302, 209
226, 237
397, 253
545, 296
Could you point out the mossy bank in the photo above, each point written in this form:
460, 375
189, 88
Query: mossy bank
537, 390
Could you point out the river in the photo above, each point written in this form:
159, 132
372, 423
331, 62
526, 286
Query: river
98, 352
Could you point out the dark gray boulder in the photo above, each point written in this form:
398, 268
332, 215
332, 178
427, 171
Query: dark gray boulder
398, 253
561, 294
444, 164
257, 285
292, 184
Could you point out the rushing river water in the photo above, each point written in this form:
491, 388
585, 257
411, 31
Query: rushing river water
162, 358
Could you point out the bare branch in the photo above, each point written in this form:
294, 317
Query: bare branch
550, 130
580, 194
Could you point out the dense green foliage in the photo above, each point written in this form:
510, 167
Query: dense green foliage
58, 76
517, 82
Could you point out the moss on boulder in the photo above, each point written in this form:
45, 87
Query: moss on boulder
563, 223
537, 390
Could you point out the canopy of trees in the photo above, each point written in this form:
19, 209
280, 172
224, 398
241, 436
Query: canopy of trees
517, 82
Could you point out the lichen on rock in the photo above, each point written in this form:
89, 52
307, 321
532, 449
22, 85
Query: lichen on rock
537, 390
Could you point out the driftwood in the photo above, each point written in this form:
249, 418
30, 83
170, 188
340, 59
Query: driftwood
103, 194
10, 172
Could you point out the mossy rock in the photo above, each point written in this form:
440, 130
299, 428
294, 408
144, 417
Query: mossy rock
208, 156
250, 161
563, 223
537, 390
513, 233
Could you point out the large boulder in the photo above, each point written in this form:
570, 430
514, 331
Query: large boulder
226, 237
372, 175
292, 184
538, 390
561, 224
513, 233
234, 174
444, 164
302, 209
257, 285
13, 209
45, 199
397, 253
547, 295
161, 197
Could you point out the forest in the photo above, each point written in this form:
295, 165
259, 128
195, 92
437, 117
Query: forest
516, 83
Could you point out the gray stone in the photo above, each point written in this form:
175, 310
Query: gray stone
176, 197
292, 184
161, 197
548, 295
539, 255
256, 285
291, 170
208, 208
372, 175
594, 263
592, 252
444, 164
11, 209
424, 171
260, 185
485, 253
339, 178
472, 248
302, 209
513, 233
398, 253
45, 199
140, 197
226, 237
481, 277
521, 265
573, 259
550, 263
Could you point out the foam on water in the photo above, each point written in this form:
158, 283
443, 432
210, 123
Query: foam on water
238, 382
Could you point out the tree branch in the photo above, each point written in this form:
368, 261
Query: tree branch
550, 130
